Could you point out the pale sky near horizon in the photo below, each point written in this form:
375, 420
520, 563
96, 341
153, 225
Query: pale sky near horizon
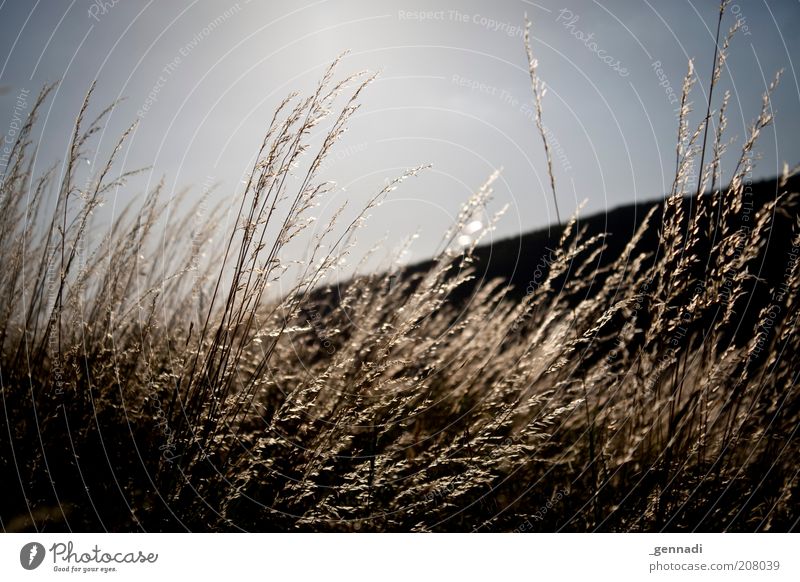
453, 91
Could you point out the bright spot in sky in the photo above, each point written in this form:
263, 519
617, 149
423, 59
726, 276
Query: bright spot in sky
404, 258
473, 227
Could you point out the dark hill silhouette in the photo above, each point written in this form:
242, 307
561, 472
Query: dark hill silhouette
521, 261
524, 259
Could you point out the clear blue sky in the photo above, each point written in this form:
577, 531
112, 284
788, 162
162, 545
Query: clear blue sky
453, 92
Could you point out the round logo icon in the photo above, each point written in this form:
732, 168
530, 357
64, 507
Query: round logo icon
31, 555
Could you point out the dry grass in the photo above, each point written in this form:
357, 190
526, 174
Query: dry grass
169, 392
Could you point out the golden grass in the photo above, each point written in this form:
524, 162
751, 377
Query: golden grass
169, 393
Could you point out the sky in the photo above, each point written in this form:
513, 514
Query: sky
203, 78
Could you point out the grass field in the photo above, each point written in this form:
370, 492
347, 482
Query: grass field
154, 383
